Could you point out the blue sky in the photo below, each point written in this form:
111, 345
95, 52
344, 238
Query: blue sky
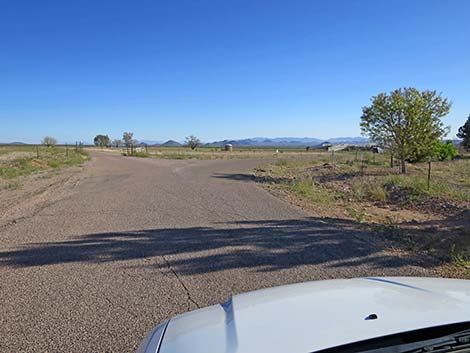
221, 69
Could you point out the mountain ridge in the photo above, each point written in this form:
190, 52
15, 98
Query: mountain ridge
258, 142
288, 141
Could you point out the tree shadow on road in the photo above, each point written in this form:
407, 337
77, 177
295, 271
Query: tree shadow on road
244, 177
260, 245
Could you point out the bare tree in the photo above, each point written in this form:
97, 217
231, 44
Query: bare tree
49, 141
116, 142
192, 141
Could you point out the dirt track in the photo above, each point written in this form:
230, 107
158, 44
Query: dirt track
129, 242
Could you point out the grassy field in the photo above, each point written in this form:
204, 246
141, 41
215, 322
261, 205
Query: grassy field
18, 161
372, 179
218, 153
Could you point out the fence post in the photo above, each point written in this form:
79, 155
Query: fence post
67, 150
429, 173
37, 151
362, 163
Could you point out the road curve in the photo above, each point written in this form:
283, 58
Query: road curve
136, 241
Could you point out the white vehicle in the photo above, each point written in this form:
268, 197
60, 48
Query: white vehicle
390, 315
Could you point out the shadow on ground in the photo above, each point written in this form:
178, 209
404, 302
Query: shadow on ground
261, 245
250, 177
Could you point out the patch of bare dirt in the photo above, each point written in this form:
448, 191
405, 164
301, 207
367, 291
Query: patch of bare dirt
38, 163
24, 196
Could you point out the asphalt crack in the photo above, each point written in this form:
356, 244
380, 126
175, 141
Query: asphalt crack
177, 276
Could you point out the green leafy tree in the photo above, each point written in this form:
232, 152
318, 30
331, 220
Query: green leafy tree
444, 150
102, 140
464, 134
192, 141
406, 121
49, 141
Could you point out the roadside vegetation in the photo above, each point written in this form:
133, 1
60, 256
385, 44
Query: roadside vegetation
409, 184
22, 160
432, 217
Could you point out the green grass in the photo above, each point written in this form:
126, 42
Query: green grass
450, 180
313, 192
17, 161
140, 154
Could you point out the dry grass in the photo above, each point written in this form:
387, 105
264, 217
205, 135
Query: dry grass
18, 161
366, 190
207, 153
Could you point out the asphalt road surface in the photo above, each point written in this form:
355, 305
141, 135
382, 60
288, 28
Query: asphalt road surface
132, 242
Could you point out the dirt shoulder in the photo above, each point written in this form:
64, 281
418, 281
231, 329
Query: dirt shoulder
34, 192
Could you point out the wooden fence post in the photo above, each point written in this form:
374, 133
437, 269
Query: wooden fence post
362, 163
429, 173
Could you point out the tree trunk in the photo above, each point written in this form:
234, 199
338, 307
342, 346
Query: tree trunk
403, 166
391, 160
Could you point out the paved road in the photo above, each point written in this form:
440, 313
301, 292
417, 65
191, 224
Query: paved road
132, 242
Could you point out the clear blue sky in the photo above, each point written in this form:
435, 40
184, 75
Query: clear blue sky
221, 69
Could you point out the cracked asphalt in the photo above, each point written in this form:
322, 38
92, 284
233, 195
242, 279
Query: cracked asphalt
131, 242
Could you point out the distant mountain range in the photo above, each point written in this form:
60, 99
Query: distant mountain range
262, 142
151, 142
289, 141
13, 143
171, 143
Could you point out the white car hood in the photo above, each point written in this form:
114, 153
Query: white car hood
316, 315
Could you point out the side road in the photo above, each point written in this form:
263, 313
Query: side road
128, 242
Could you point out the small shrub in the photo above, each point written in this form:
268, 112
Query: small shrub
377, 192
460, 257
404, 189
359, 215
445, 150
359, 190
